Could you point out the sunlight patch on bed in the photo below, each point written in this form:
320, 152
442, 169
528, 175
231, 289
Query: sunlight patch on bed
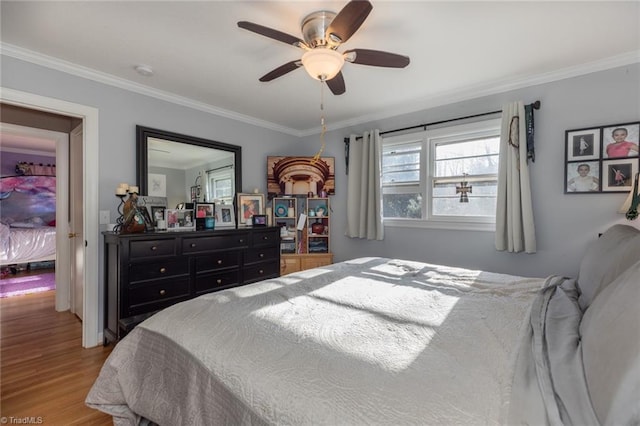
375, 321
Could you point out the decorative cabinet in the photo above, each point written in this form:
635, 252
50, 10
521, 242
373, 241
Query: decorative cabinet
318, 225
145, 273
299, 262
311, 245
285, 215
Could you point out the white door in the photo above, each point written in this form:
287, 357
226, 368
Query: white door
76, 220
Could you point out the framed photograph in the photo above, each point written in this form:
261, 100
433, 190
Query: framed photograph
157, 185
225, 216
621, 140
583, 176
205, 210
617, 175
583, 144
249, 205
259, 220
179, 219
148, 220
601, 159
157, 213
312, 175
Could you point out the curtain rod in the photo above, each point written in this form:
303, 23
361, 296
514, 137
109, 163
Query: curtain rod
535, 105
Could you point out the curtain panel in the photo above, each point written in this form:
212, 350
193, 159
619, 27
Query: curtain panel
364, 199
515, 229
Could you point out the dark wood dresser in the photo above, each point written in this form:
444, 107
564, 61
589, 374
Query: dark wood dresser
148, 272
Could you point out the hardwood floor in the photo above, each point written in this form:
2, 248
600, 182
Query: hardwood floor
45, 372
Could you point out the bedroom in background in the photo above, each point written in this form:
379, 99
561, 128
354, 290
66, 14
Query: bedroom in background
28, 215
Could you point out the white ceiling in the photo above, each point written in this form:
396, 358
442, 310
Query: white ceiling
458, 50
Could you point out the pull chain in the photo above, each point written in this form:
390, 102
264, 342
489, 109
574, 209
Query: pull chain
322, 125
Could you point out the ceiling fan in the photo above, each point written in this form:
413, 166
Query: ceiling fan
324, 32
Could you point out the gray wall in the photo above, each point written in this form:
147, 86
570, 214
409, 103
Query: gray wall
119, 113
564, 223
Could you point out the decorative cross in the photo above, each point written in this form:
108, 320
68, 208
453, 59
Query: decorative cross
463, 189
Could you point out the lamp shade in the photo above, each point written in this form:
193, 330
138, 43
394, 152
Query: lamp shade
322, 63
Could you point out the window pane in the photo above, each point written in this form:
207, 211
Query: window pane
482, 200
470, 166
402, 205
478, 156
477, 189
468, 149
401, 164
475, 207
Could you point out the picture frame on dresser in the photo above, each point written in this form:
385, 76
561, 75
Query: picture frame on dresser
249, 205
179, 219
225, 216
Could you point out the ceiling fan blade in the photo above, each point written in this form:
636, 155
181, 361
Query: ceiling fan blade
347, 21
281, 70
336, 84
376, 58
271, 33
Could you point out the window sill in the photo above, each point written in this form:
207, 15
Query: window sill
441, 224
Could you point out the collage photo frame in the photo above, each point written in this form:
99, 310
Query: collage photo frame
601, 159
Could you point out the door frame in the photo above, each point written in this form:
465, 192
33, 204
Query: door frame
91, 334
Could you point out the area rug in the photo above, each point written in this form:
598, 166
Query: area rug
27, 284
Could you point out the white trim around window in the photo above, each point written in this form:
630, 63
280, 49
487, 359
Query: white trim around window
424, 184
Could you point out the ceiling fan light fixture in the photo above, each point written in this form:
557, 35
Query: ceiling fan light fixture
322, 63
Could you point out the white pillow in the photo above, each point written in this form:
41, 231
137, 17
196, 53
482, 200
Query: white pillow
606, 258
610, 331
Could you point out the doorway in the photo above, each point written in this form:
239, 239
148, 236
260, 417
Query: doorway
91, 334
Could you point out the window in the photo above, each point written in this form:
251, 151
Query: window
421, 171
221, 186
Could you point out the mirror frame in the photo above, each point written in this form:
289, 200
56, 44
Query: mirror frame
142, 135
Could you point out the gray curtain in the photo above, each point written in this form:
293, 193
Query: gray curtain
364, 199
515, 230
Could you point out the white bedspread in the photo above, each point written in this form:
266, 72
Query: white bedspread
22, 245
369, 341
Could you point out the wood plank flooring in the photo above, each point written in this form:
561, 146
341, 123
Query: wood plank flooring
44, 371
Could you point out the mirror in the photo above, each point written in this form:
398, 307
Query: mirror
183, 168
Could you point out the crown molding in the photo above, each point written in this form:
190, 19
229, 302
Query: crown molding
436, 100
487, 89
108, 79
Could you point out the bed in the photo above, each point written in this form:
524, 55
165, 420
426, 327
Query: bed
27, 224
388, 341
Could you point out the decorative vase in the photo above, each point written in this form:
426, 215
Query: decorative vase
317, 228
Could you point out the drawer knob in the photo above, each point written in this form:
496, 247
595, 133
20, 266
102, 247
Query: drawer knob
219, 281
261, 272
162, 292
220, 262
154, 248
261, 255
163, 270
193, 245
241, 240
266, 237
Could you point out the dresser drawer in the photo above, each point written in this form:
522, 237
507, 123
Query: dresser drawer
150, 271
206, 283
157, 295
211, 243
138, 249
261, 271
265, 238
218, 260
260, 254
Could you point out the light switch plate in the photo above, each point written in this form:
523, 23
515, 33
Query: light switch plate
104, 217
